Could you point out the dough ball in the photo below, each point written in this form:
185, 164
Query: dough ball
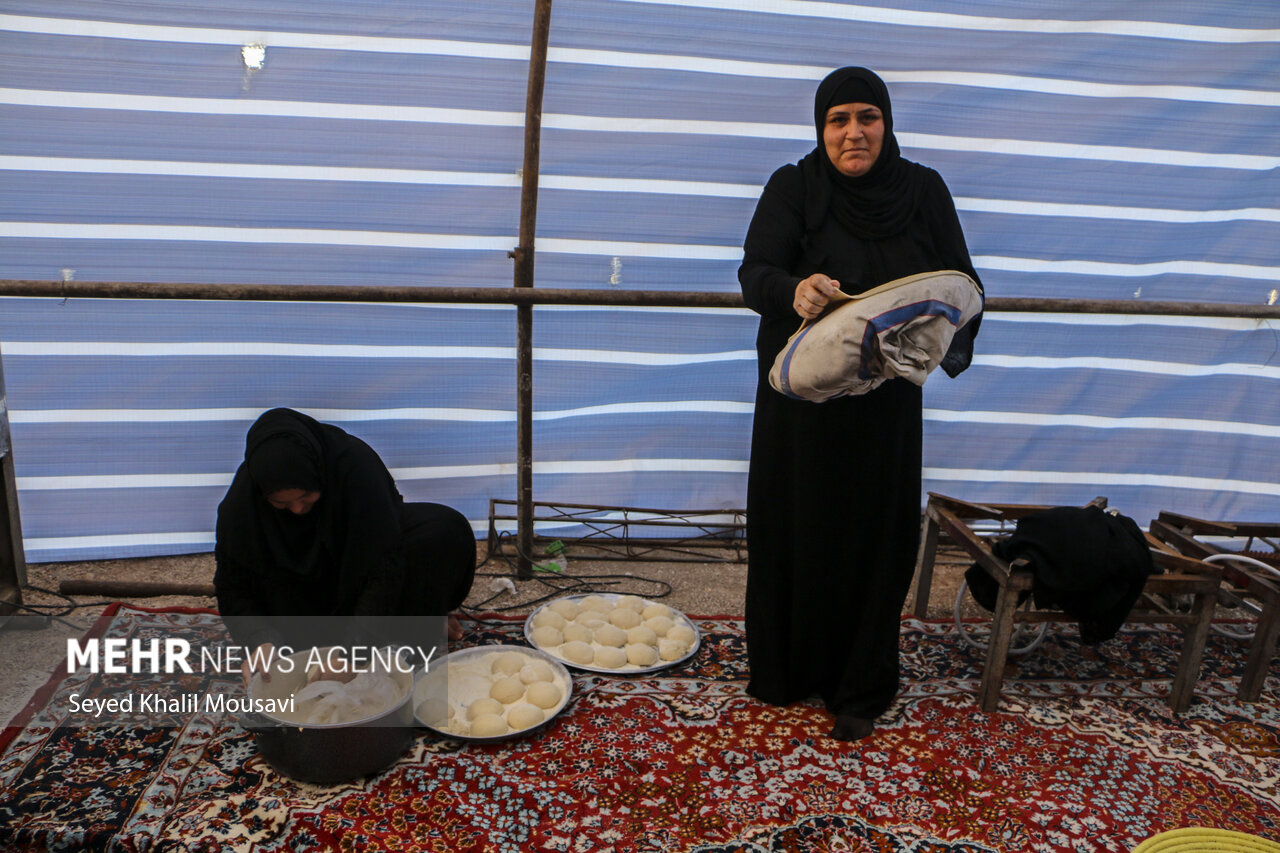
595, 602
488, 725
507, 690
567, 608
642, 634
508, 663
536, 671
575, 633
631, 602
624, 618
481, 707
656, 609
433, 711
672, 649
660, 625
544, 694
611, 635
682, 633
642, 654
548, 618
522, 715
546, 636
610, 657
577, 651
591, 618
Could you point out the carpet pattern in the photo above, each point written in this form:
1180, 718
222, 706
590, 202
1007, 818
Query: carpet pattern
1084, 755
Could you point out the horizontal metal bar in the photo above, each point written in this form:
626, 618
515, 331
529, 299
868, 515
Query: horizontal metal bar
562, 296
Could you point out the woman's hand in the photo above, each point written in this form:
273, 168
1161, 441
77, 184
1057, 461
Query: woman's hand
264, 657
813, 294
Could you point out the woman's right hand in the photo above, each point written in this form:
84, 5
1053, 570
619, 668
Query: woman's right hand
259, 661
813, 294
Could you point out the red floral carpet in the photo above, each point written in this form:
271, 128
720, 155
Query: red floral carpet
1083, 756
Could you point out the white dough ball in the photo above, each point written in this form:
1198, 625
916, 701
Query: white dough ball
611, 635
642, 654
590, 618
642, 634
507, 690
656, 609
507, 663
536, 671
544, 694
610, 657
546, 636
660, 625
632, 602
682, 633
624, 618
575, 633
577, 651
522, 715
672, 649
548, 618
433, 712
480, 707
489, 725
595, 602
567, 608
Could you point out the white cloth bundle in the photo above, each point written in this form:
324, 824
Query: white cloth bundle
901, 328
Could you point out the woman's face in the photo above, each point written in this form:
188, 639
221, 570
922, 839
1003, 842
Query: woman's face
296, 501
853, 135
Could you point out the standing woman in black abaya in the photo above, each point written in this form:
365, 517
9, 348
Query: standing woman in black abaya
833, 494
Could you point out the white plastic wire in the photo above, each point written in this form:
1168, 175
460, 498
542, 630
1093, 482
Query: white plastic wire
1038, 633
1218, 558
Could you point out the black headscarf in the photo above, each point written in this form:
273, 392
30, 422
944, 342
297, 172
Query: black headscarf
877, 204
284, 449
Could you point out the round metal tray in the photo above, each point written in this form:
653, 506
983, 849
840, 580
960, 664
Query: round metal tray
628, 669
562, 679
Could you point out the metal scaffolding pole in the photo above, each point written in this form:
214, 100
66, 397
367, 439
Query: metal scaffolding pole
523, 280
520, 296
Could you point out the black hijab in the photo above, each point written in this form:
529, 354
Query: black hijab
873, 206
284, 449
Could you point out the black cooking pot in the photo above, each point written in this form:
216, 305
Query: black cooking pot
333, 752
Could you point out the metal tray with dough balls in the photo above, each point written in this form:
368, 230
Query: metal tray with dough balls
592, 643
514, 682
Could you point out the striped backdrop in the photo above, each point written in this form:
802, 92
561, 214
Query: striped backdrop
1107, 150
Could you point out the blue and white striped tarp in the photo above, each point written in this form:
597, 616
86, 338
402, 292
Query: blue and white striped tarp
1103, 150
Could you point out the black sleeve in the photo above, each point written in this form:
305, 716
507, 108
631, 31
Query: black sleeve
239, 603
949, 242
372, 560
772, 247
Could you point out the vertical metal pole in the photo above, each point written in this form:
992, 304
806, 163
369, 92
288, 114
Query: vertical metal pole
523, 255
13, 562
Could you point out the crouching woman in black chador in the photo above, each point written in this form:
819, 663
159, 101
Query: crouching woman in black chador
313, 526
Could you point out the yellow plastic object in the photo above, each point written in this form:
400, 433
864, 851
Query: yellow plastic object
1196, 839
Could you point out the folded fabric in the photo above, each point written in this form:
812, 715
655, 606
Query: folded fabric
901, 328
1087, 562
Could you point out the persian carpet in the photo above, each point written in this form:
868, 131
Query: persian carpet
1083, 755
